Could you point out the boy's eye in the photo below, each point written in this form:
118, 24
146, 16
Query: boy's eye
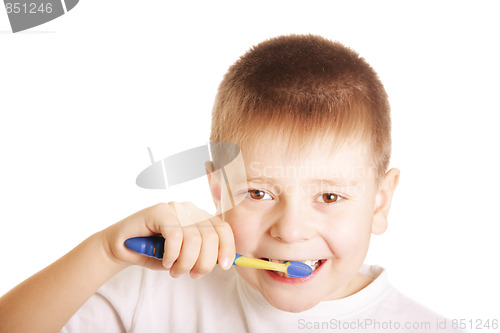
258, 194
329, 197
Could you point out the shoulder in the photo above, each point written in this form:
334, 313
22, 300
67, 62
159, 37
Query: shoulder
387, 308
411, 315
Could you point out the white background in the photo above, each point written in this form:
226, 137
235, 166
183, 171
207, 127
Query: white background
83, 96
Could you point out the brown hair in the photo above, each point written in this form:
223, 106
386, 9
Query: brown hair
303, 87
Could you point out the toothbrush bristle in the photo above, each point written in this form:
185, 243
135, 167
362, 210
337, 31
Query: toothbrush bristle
298, 269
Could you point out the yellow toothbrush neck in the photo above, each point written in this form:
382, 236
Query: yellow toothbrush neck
261, 264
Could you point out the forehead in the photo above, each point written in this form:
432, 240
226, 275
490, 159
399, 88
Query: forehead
348, 161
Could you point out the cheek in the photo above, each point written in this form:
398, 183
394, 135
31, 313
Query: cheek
247, 229
349, 236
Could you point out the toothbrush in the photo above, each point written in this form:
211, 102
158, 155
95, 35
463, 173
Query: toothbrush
153, 247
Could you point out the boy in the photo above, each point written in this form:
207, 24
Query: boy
313, 123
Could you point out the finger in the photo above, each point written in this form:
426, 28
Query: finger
190, 250
160, 216
164, 220
227, 248
173, 243
209, 250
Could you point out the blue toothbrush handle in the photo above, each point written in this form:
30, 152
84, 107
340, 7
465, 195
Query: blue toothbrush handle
147, 246
152, 246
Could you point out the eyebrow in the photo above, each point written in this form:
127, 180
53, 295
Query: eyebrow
331, 182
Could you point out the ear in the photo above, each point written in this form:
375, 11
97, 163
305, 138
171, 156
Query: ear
214, 184
383, 200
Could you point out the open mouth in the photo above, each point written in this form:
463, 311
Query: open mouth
314, 264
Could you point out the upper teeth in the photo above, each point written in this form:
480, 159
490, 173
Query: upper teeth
311, 263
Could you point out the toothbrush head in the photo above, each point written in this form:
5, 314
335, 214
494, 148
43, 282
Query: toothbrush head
298, 269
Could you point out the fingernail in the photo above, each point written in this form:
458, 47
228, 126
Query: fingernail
226, 263
174, 275
168, 265
196, 276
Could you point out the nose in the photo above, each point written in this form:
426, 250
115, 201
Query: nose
291, 224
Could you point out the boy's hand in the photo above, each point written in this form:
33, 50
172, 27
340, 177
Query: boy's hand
194, 239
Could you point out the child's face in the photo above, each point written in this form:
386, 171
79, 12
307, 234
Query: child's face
324, 205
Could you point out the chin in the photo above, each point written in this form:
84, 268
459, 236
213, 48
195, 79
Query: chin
291, 299
294, 305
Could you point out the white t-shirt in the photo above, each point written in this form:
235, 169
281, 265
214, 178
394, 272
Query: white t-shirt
142, 300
